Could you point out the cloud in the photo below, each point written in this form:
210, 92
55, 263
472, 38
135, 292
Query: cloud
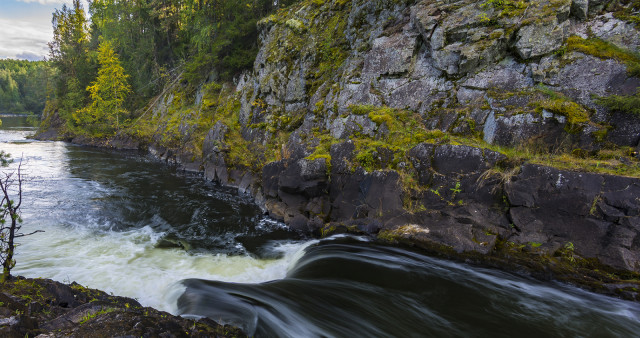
25, 26
24, 38
29, 56
48, 2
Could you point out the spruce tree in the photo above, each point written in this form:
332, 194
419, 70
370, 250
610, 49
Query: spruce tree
108, 92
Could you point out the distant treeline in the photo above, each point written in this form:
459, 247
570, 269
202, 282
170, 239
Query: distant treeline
147, 42
23, 86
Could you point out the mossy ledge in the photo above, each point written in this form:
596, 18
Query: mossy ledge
32, 307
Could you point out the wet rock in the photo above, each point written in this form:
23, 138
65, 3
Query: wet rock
270, 178
62, 294
124, 142
381, 192
626, 130
452, 160
342, 155
422, 159
304, 176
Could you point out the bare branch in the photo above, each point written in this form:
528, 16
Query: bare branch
19, 184
29, 234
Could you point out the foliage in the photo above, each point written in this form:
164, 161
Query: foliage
68, 52
606, 50
5, 158
108, 92
24, 85
156, 41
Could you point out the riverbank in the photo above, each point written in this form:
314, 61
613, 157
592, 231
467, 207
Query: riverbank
354, 277
476, 131
565, 248
45, 308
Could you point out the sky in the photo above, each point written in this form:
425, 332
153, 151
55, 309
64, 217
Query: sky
25, 27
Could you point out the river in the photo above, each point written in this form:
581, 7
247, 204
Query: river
126, 224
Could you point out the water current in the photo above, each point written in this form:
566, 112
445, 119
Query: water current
129, 225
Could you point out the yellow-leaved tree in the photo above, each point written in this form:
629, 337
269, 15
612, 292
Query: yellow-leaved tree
108, 92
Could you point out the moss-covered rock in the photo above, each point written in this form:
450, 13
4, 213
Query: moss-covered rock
45, 308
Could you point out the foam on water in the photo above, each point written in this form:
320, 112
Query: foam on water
128, 263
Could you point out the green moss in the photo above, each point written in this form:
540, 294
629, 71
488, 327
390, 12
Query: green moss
600, 135
364, 109
616, 161
574, 113
322, 150
402, 132
91, 315
384, 115
388, 236
626, 10
507, 8
327, 231
241, 153
606, 50
296, 25
28, 290
629, 104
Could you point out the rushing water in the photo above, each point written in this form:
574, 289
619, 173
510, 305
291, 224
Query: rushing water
125, 224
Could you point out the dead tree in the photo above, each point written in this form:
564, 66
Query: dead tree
10, 220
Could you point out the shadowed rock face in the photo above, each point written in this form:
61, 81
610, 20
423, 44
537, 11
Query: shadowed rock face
599, 214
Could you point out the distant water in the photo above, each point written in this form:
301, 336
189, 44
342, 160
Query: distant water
125, 224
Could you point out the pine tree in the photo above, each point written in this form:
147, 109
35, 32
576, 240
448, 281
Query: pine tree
108, 92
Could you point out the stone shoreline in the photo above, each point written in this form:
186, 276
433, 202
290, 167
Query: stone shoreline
46, 309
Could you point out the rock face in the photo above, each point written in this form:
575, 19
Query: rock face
315, 131
502, 73
45, 308
599, 214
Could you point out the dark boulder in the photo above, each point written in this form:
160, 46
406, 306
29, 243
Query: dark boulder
597, 213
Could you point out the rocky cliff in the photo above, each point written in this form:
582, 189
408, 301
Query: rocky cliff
473, 129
